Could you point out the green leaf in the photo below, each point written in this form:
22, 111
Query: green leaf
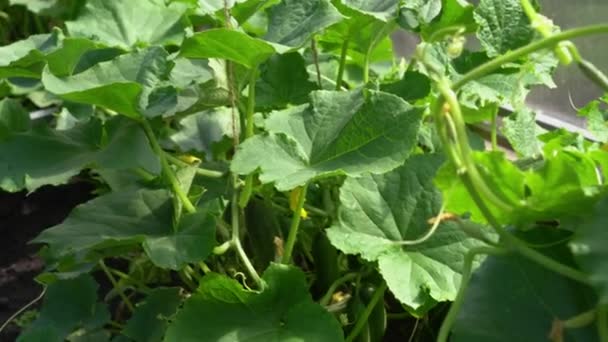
128, 24
68, 305
73, 54
129, 84
13, 118
192, 242
293, 22
283, 311
503, 26
513, 299
522, 131
150, 319
417, 13
379, 211
200, 131
590, 249
44, 156
453, 13
385, 10
283, 81
25, 58
596, 119
411, 87
227, 44
132, 217
339, 133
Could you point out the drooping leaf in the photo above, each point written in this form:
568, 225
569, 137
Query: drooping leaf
379, 211
42, 156
200, 131
503, 26
384, 10
283, 311
227, 44
340, 132
293, 22
77, 54
127, 24
596, 119
150, 319
590, 249
13, 118
25, 58
132, 217
68, 305
283, 81
417, 13
131, 84
513, 299
522, 131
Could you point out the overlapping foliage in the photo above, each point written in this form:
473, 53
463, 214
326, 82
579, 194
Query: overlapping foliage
229, 139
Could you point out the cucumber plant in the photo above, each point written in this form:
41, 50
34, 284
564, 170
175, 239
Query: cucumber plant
272, 171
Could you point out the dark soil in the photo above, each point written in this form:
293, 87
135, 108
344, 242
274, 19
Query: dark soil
23, 217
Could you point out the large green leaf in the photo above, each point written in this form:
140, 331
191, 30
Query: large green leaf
25, 58
130, 84
511, 298
13, 118
503, 26
596, 119
590, 247
416, 13
340, 132
283, 81
132, 23
151, 317
379, 211
68, 305
132, 217
78, 54
42, 156
227, 44
283, 311
522, 131
453, 13
293, 22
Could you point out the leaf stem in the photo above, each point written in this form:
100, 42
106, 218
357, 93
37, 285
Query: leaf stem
324, 301
249, 132
427, 235
580, 320
514, 55
199, 170
362, 320
467, 271
166, 168
342, 65
315, 59
236, 239
118, 289
295, 223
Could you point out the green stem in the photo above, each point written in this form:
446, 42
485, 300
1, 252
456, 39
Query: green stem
362, 320
324, 301
295, 224
249, 132
514, 55
199, 171
602, 323
467, 271
466, 153
118, 289
494, 131
223, 248
580, 320
236, 239
366, 69
22, 309
342, 65
166, 168
315, 59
